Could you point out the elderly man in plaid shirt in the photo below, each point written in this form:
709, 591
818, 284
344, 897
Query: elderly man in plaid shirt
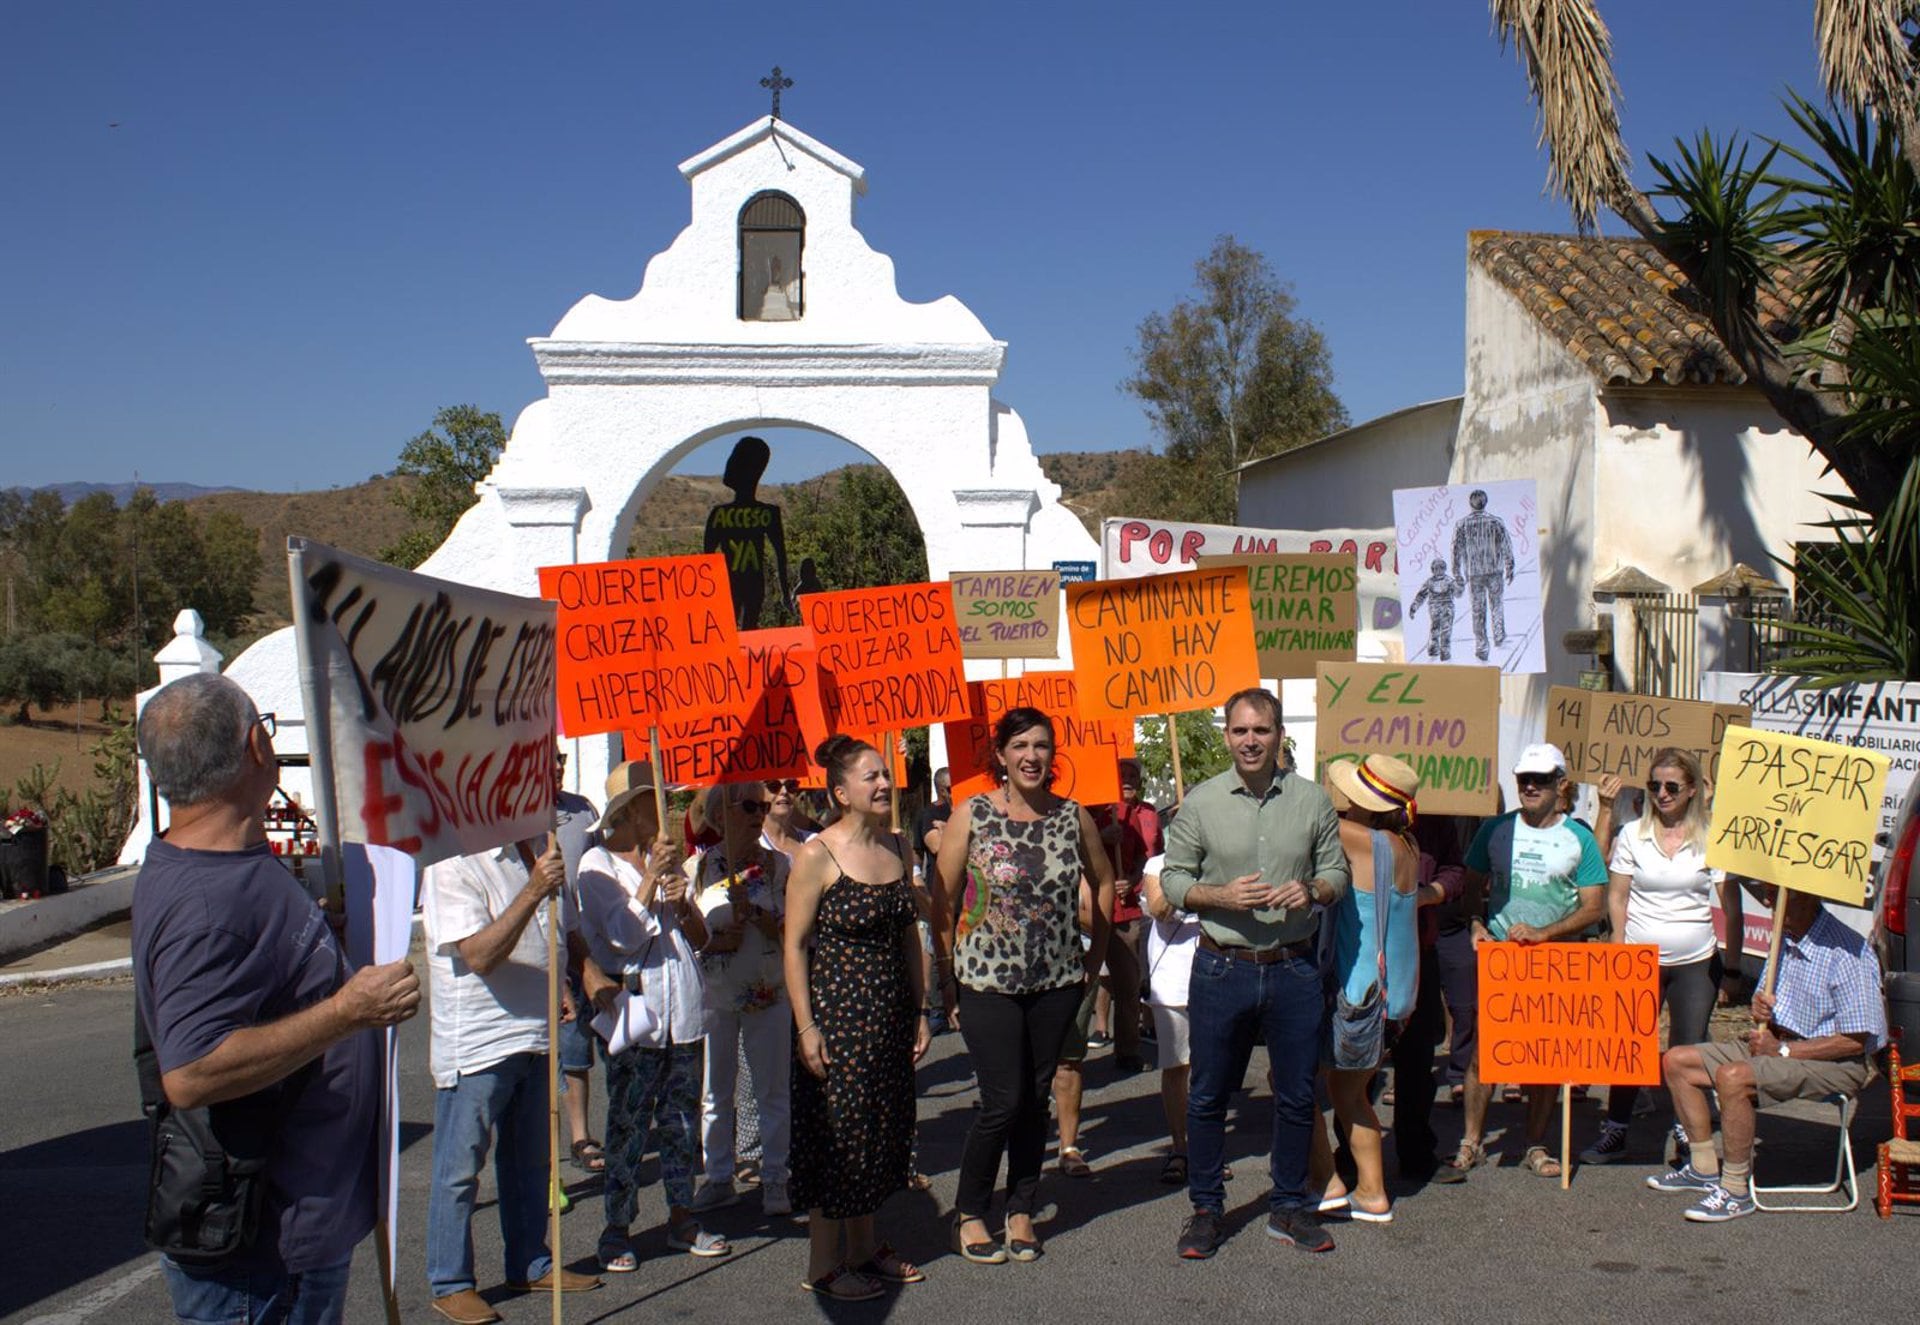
1816, 1036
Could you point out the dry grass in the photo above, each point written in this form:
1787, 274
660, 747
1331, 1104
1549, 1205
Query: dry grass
55, 738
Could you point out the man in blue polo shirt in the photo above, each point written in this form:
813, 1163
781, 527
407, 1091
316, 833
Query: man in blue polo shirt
1815, 1036
1543, 881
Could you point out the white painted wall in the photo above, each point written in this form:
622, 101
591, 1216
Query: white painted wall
1318, 486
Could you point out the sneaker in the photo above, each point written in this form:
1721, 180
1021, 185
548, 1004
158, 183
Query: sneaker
1612, 1145
1684, 1178
1200, 1236
714, 1196
1719, 1205
1301, 1228
774, 1199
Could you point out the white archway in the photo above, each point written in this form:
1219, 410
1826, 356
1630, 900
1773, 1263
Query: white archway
635, 384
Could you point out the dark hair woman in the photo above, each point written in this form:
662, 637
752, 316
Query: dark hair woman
856, 975
1007, 924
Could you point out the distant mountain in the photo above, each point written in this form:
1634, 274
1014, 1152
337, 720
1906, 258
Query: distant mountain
120, 492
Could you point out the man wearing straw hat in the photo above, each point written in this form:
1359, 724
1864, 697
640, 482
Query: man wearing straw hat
485, 917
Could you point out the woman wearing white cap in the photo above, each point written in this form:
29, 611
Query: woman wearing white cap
638, 918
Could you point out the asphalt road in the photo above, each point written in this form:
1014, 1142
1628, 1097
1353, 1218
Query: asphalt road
1505, 1246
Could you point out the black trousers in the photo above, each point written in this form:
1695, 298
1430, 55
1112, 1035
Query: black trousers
1460, 982
1413, 1074
1015, 1042
1689, 991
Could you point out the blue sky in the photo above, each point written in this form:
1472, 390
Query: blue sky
316, 225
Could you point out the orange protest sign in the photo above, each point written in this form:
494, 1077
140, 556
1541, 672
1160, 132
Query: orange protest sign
772, 737
889, 657
1162, 643
1570, 1014
1086, 751
643, 640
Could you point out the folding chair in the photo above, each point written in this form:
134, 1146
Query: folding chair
1899, 1169
1846, 1180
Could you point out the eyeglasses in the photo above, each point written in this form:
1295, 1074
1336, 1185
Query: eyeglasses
751, 806
265, 720
1655, 787
791, 786
1526, 780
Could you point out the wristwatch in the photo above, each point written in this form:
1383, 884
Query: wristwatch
1783, 1050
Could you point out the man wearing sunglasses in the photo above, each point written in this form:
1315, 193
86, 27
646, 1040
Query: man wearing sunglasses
1538, 874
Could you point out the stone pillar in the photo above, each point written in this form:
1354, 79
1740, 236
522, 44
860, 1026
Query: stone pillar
546, 532
183, 655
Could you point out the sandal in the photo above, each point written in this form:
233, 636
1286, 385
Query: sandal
919, 1182
696, 1241
889, 1266
843, 1284
1174, 1171
1540, 1162
1511, 1094
590, 1155
615, 1254
1073, 1162
1023, 1250
980, 1253
1471, 1155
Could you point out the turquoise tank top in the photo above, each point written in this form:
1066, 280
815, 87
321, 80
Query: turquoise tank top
1357, 943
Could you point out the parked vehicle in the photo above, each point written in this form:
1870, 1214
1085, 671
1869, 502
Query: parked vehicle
1897, 923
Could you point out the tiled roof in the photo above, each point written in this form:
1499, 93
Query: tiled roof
1618, 306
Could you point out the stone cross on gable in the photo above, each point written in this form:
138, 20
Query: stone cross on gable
776, 84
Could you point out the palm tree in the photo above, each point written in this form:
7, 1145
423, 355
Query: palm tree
1731, 216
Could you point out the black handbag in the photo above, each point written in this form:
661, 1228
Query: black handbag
208, 1178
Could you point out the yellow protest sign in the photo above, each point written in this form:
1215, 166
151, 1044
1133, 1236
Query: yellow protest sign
1797, 812
1442, 719
1306, 609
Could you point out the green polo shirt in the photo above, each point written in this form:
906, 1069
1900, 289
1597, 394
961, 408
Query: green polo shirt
1224, 831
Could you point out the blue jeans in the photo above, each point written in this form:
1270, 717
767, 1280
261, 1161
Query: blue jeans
1231, 1005
257, 1297
509, 1098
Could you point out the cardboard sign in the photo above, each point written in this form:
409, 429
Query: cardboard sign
1797, 812
773, 736
1132, 546
1007, 613
1443, 720
641, 641
1086, 751
432, 701
1582, 1014
1605, 732
1306, 609
889, 657
1164, 644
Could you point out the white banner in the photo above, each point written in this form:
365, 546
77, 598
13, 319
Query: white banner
1132, 546
1471, 584
429, 704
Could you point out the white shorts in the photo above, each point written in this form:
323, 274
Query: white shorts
1170, 1036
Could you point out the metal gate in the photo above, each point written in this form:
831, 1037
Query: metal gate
1666, 645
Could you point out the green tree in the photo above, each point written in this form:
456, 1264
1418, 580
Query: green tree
444, 462
1203, 752
857, 527
1228, 375
1825, 226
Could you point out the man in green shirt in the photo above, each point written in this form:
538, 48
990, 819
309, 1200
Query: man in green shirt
1254, 851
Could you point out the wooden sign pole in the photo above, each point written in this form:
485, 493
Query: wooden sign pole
886, 757
1773, 940
659, 781
1173, 747
1566, 1137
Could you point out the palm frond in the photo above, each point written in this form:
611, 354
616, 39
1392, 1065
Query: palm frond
1568, 55
1864, 58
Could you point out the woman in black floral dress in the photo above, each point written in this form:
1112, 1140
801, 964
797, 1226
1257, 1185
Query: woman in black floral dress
1007, 917
857, 977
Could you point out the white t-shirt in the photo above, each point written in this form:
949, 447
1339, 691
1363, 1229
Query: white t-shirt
1671, 899
481, 1020
1170, 948
626, 939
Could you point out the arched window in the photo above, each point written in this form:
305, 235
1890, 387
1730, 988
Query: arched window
773, 231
